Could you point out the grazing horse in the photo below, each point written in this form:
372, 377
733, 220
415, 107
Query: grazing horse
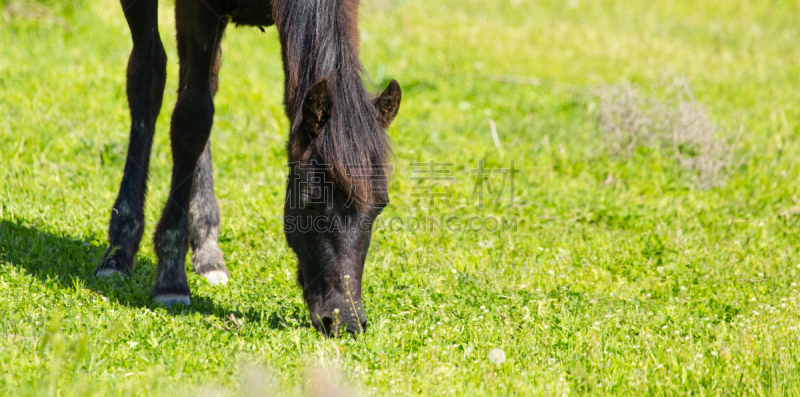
337, 147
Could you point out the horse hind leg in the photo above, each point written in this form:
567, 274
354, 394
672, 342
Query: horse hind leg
204, 221
199, 33
204, 214
146, 76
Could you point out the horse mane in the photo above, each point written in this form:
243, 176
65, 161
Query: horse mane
319, 39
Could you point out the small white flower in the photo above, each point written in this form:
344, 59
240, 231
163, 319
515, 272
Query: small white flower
485, 244
497, 356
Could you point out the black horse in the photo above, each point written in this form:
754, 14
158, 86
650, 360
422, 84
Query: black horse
337, 148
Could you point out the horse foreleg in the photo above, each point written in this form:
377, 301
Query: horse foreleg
147, 73
199, 33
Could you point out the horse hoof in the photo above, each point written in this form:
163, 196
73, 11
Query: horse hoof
171, 299
216, 277
109, 273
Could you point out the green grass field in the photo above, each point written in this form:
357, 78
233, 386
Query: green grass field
623, 277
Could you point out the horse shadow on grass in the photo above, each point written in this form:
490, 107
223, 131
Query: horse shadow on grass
69, 262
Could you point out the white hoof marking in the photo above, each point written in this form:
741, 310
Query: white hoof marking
108, 273
216, 277
171, 299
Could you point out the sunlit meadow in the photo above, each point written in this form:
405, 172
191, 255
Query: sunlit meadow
616, 272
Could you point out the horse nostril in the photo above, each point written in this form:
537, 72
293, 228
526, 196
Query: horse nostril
327, 325
357, 328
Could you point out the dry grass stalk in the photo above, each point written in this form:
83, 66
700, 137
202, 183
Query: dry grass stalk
677, 124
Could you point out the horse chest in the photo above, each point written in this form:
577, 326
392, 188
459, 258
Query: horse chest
251, 12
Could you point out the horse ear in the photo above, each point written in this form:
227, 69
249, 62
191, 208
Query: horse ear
317, 107
388, 103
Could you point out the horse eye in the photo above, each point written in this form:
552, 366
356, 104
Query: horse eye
306, 202
310, 205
